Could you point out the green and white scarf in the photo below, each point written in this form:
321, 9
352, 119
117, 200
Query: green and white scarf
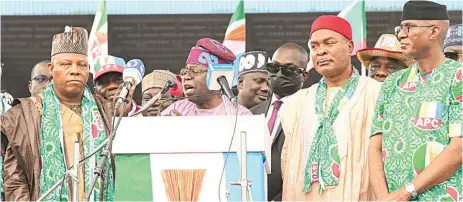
52, 146
324, 157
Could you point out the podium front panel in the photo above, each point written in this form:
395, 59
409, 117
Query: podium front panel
148, 177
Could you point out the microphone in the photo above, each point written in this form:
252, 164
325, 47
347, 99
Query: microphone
175, 87
218, 76
222, 80
132, 75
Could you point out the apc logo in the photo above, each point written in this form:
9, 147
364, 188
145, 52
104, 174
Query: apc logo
430, 116
409, 86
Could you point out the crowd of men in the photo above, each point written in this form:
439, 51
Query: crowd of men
395, 135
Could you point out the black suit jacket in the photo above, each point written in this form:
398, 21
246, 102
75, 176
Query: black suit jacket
274, 180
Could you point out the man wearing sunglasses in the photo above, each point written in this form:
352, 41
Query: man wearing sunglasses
286, 76
415, 146
200, 100
40, 77
253, 79
453, 43
327, 125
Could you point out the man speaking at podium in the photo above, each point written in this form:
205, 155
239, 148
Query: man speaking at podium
41, 130
200, 100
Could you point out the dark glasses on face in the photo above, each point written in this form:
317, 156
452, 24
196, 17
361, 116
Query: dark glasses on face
42, 79
285, 69
453, 56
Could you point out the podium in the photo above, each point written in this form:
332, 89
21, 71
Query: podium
175, 157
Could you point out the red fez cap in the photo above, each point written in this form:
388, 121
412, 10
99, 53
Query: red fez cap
333, 23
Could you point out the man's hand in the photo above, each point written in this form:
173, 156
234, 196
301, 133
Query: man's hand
128, 107
399, 195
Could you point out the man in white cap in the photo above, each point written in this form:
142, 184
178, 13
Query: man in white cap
385, 58
253, 79
453, 43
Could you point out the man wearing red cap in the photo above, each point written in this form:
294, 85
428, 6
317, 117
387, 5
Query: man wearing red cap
202, 101
108, 80
327, 125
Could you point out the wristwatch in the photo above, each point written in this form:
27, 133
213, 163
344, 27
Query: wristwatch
410, 188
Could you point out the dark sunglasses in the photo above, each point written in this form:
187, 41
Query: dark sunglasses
42, 79
285, 69
453, 56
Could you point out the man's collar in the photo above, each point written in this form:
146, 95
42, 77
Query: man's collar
283, 99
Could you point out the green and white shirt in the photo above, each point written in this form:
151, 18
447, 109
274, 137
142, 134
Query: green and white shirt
417, 114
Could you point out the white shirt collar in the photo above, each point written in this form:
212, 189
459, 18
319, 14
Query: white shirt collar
274, 98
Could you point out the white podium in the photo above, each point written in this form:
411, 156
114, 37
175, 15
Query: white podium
181, 158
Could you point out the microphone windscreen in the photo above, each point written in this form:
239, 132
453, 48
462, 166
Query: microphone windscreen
178, 90
134, 69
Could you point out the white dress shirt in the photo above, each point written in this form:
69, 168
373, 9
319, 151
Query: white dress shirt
270, 111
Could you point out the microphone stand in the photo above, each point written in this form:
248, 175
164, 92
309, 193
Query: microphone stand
169, 84
73, 172
244, 182
106, 152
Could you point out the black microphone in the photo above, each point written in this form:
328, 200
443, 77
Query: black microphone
222, 80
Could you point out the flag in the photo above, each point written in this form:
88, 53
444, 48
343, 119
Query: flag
98, 39
235, 36
356, 16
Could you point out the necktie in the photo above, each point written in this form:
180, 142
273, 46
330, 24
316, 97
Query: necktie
273, 118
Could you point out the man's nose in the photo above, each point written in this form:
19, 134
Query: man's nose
264, 87
382, 72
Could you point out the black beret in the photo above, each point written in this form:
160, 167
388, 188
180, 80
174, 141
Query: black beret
424, 10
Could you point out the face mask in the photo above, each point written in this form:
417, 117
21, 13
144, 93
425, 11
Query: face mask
284, 86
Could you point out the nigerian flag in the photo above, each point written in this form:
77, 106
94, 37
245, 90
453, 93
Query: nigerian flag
356, 16
98, 39
235, 36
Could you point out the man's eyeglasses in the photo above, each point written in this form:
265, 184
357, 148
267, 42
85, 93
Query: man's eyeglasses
285, 69
42, 79
192, 71
453, 56
407, 28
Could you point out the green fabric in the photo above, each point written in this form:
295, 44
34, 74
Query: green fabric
133, 178
323, 161
51, 148
239, 13
417, 115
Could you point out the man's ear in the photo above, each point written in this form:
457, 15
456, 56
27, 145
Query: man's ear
435, 33
305, 76
51, 67
30, 87
350, 45
240, 83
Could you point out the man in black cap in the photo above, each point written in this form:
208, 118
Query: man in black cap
415, 150
253, 79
